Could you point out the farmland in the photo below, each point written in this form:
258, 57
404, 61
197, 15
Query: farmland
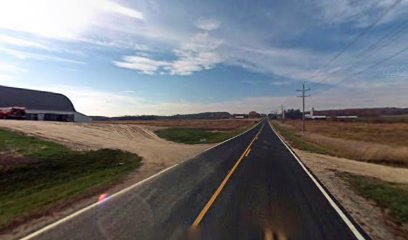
382, 143
394, 134
217, 125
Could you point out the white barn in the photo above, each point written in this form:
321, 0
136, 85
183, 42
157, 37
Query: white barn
40, 105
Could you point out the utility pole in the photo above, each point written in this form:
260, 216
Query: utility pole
303, 96
283, 113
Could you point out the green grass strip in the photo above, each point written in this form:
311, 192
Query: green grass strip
194, 136
53, 175
388, 195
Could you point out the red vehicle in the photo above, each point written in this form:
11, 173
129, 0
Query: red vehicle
13, 113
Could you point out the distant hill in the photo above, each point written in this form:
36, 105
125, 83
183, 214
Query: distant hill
205, 115
363, 112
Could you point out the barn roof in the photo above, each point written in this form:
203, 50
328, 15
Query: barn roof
32, 99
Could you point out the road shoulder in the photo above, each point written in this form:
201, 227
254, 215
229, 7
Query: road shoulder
371, 218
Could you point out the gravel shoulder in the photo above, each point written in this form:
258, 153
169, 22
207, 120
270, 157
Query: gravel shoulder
373, 219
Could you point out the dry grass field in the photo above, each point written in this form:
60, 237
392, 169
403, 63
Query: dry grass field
383, 143
216, 125
394, 134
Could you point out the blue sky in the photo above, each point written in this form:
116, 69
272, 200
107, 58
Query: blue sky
166, 57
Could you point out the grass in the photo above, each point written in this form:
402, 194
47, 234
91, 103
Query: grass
194, 136
390, 196
297, 141
30, 147
54, 176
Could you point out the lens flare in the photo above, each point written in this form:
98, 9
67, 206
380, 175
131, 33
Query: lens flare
103, 197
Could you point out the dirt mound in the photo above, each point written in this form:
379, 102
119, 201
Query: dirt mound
156, 152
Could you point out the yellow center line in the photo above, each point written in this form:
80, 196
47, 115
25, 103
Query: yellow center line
223, 183
268, 234
249, 150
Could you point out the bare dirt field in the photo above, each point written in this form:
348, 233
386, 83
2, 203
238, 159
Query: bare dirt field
156, 152
132, 136
371, 217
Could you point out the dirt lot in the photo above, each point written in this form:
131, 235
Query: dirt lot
156, 152
134, 136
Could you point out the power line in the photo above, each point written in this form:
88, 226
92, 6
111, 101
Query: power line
396, 54
378, 63
283, 113
303, 96
392, 37
387, 39
375, 46
371, 66
366, 30
359, 36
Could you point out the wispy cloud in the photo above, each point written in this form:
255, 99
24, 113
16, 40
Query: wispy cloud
208, 24
13, 41
117, 43
358, 13
23, 55
142, 64
64, 19
197, 54
280, 83
290, 63
10, 68
8, 71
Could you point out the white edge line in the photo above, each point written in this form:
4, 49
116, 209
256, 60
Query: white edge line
343, 216
72, 215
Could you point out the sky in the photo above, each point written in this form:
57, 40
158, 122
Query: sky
166, 57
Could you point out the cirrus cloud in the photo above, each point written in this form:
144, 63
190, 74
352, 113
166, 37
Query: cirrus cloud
197, 54
64, 19
208, 24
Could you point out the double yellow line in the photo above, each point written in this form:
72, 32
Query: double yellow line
210, 202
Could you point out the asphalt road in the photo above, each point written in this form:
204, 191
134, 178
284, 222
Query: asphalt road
233, 191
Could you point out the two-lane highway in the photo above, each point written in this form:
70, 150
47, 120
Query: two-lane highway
250, 187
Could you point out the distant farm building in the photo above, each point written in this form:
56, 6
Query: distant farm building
240, 116
346, 117
311, 116
40, 105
